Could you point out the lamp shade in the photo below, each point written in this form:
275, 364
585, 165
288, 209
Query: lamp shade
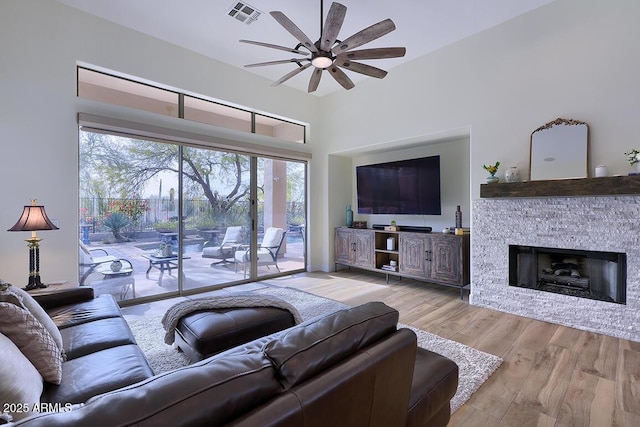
33, 218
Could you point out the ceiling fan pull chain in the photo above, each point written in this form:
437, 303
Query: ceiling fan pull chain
321, 16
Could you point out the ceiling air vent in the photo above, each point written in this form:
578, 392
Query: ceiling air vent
244, 12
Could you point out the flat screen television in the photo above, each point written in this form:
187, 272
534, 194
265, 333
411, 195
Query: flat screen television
409, 187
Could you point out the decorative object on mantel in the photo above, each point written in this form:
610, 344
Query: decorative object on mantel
512, 174
458, 217
559, 150
601, 171
359, 224
633, 157
492, 169
349, 216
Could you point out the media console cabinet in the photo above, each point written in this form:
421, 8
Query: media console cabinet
432, 257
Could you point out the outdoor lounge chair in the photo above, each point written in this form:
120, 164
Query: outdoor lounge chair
232, 238
89, 263
266, 253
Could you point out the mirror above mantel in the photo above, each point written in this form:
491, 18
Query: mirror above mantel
559, 150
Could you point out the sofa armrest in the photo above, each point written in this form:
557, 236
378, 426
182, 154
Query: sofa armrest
58, 298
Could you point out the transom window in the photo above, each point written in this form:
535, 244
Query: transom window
103, 87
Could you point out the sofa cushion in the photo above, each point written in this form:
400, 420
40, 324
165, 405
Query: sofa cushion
7, 295
211, 392
101, 307
21, 383
317, 344
66, 296
38, 312
80, 340
98, 372
33, 340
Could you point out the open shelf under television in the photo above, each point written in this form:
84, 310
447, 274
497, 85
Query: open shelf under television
384, 255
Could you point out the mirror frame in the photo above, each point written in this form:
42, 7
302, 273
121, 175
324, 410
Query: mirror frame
550, 125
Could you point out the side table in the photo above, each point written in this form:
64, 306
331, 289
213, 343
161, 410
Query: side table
53, 288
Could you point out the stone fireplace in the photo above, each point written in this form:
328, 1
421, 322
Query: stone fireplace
584, 224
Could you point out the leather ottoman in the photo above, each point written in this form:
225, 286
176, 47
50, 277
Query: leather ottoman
202, 334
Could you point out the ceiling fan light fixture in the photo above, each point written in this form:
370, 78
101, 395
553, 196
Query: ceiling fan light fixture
322, 60
329, 53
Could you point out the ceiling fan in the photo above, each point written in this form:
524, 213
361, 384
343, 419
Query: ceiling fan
329, 53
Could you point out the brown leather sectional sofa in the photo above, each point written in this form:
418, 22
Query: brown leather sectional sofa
349, 368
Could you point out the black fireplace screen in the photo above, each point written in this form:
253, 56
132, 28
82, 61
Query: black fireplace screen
587, 274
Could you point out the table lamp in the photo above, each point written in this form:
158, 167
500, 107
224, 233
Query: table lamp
34, 218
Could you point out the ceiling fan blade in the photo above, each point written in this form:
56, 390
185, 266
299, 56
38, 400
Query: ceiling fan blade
378, 53
365, 36
341, 77
294, 30
275, 46
332, 26
291, 74
314, 81
365, 69
281, 61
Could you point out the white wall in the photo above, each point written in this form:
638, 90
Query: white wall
42, 41
572, 58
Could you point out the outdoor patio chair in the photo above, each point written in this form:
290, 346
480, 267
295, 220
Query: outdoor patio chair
232, 238
90, 263
266, 253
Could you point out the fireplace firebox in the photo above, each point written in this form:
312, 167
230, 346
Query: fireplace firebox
586, 274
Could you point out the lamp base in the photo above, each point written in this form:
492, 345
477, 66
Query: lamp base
34, 283
34, 264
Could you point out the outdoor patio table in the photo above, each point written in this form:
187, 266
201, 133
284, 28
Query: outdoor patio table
162, 263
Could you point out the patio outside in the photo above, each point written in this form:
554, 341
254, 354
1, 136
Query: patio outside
197, 272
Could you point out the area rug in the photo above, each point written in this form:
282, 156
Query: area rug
475, 366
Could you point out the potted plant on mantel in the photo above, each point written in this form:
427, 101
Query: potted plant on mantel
492, 169
633, 157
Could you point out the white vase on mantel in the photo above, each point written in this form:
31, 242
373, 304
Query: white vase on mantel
512, 174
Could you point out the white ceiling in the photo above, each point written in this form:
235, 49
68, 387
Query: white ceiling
203, 26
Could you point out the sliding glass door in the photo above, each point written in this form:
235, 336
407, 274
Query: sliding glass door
281, 220
160, 218
128, 216
215, 215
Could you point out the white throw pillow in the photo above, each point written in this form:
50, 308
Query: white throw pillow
21, 384
38, 312
33, 340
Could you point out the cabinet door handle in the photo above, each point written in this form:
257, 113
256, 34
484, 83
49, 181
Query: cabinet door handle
427, 256
353, 247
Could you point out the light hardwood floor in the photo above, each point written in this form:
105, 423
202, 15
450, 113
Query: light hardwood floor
551, 376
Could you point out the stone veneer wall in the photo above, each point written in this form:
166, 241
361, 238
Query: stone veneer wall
604, 223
